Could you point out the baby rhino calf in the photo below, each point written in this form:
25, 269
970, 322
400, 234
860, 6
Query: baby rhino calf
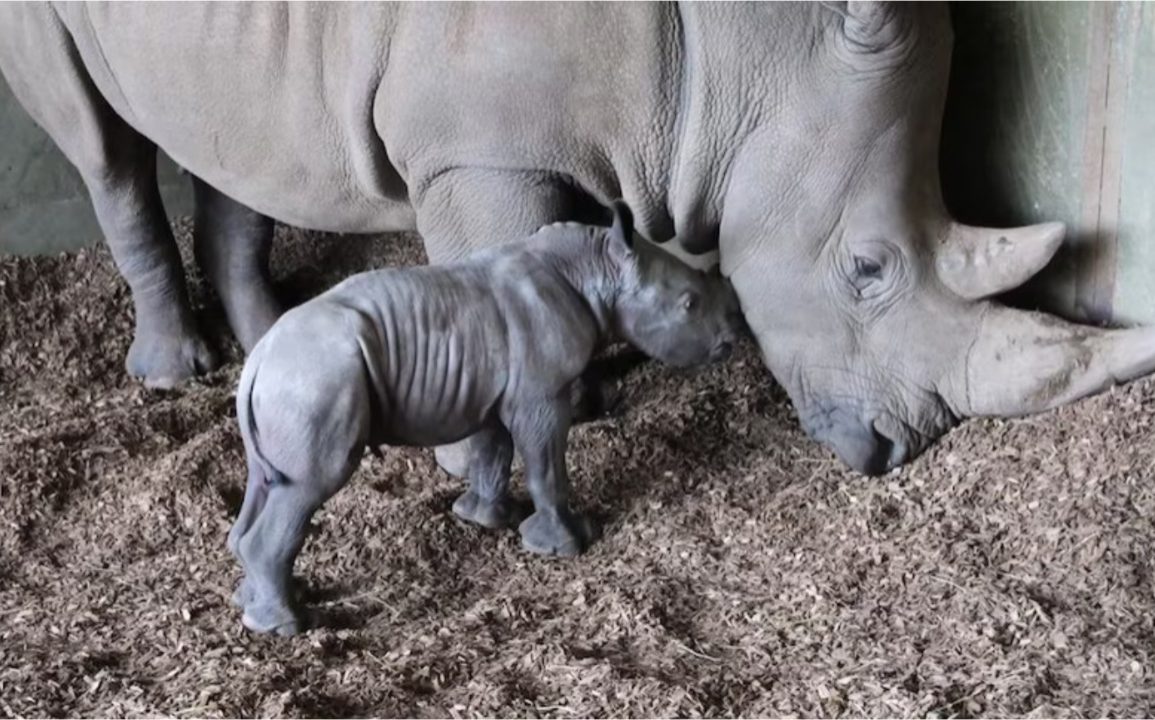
486, 348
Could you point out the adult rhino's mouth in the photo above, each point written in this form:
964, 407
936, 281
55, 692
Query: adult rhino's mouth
866, 444
870, 441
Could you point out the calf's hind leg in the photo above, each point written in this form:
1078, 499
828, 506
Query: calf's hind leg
256, 493
268, 551
270, 545
310, 435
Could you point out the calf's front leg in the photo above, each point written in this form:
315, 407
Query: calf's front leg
540, 434
487, 502
464, 209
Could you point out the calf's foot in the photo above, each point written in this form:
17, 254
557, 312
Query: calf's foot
492, 514
453, 459
244, 594
558, 532
273, 618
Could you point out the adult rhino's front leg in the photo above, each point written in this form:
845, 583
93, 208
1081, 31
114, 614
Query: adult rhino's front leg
467, 209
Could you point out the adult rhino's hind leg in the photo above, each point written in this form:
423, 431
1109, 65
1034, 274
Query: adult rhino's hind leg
118, 166
232, 244
167, 347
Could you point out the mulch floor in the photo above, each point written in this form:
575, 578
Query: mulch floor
742, 571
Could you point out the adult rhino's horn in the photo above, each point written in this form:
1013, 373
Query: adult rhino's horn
978, 262
1025, 362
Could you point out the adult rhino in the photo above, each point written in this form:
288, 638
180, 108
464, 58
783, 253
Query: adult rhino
799, 140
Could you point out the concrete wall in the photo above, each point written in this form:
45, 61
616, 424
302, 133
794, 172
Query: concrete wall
44, 206
1051, 116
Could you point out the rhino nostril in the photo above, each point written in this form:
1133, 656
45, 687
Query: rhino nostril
898, 454
892, 451
723, 350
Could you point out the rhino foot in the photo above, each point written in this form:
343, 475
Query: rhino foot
561, 533
164, 359
453, 459
492, 514
244, 594
272, 618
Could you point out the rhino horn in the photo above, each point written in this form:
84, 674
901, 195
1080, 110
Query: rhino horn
1025, 362
978, 262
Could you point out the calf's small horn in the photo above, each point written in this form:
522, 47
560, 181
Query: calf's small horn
978, 262
1026, 362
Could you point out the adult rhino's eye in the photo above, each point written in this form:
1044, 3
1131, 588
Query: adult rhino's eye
866, 269
874, 269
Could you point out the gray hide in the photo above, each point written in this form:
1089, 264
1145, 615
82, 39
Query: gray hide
487, 347
799, 140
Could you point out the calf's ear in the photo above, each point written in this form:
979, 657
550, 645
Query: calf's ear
622, 230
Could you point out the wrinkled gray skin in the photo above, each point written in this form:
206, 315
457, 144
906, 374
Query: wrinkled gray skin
487, 347
798, 140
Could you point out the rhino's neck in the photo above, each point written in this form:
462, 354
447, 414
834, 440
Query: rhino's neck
741, 64
585, 265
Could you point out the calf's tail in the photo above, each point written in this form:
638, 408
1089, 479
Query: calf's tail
258, 463
262, 474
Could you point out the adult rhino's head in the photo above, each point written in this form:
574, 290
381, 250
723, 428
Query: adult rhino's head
870, 304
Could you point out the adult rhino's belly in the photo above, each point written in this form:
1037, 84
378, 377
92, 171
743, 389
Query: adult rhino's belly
250, 99
296, 169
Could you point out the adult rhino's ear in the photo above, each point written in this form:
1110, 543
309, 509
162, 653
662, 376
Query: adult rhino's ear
978, 262
622, 230
871, 26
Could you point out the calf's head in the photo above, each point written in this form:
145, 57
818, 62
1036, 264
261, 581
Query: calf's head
871, 306
665, 308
